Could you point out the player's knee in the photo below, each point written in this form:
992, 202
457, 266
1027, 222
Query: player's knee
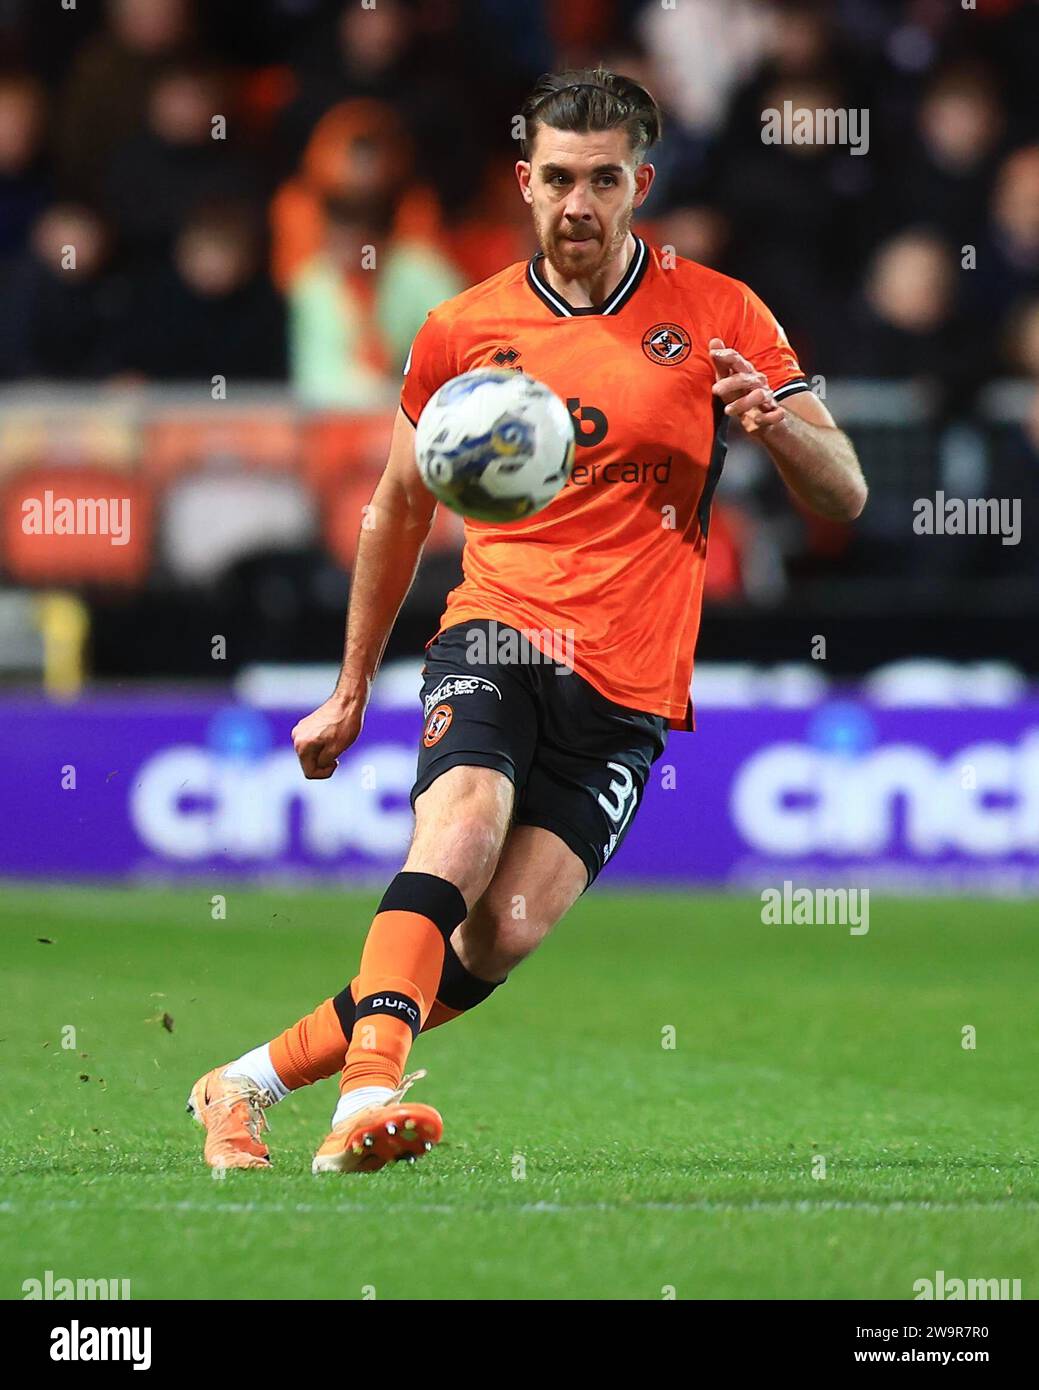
476, 844
464, 851
459, 832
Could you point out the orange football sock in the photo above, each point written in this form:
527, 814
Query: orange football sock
400, 970
315, 1047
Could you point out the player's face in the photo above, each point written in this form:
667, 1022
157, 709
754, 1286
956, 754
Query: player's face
582, 189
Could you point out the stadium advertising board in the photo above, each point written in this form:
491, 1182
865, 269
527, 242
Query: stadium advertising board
899, 799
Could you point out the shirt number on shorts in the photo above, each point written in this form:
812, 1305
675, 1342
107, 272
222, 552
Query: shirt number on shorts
620, 802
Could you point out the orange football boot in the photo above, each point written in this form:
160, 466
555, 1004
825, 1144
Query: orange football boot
396, 1129
231, 1110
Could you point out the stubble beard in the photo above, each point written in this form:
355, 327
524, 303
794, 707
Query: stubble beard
566, 267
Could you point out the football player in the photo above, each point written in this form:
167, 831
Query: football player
565, 655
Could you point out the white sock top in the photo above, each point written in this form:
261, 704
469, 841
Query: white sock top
350, 1102
259, 1068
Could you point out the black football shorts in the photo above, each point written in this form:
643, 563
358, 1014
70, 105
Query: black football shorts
578, 761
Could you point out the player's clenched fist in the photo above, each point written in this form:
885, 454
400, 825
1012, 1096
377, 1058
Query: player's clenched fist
322, 736
745, 390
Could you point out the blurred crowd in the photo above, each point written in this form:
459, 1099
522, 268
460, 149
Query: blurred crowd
281, 189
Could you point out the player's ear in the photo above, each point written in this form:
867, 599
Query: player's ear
523, 179
644, 176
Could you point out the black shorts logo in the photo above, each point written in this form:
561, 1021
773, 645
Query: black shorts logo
453, 686
437, 725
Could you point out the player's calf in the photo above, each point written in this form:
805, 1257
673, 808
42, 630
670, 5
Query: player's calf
537, 881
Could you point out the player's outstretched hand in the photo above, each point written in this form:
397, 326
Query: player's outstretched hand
322, 736
745, 391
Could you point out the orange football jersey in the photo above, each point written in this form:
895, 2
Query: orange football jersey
617, 559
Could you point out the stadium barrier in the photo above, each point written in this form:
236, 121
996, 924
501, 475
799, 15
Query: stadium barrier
839, 791
146, 444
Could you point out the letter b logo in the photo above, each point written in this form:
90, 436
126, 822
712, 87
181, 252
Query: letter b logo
587, 415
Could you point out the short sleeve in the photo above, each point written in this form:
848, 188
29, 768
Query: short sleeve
761, 340
427, 367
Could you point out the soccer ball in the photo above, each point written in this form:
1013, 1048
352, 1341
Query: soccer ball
495, 445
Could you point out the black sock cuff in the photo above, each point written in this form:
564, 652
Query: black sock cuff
394, 1004
459, 988
345, 1008
429, 895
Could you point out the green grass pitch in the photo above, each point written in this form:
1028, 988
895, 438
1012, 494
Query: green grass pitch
582, 1158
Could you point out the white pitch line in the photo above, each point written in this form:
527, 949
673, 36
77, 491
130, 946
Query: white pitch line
262, 1208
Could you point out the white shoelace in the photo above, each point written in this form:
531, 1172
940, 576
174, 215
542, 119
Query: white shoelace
256, 1099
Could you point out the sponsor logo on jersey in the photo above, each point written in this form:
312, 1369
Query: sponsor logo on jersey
621, 471
505, 357
452, 686
590, 423
666, 343
437, 725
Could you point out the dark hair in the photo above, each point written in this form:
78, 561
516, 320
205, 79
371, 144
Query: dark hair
586, 99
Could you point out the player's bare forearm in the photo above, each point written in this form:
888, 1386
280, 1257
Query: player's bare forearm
815, 459
396, 524
390, 547
395, 527
818, 464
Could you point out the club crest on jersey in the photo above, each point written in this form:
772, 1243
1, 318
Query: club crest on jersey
666, 343
437, 725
